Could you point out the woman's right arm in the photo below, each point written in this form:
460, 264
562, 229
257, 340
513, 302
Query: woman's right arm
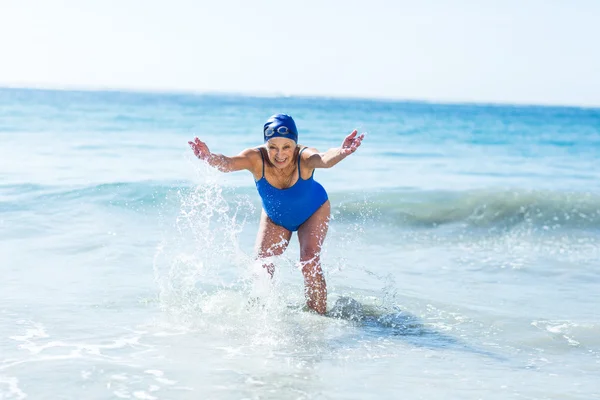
242, 161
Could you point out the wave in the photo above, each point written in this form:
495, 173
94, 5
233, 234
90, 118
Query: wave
490, 208
480, 208
125, 194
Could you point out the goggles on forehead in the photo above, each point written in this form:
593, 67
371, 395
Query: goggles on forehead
282, 130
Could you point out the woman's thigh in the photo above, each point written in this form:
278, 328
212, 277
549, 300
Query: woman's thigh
311, 233
271, 239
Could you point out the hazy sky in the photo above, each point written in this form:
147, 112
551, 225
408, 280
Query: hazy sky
525, 51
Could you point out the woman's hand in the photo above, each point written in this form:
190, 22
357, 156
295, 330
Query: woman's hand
200, 149
351, 143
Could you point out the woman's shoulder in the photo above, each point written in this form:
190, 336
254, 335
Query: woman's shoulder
253, 152
306, 151
254, 157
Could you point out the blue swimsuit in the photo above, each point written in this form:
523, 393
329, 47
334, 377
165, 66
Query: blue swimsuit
291, 207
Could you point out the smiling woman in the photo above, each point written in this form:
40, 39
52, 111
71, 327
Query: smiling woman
468, 269
292, 200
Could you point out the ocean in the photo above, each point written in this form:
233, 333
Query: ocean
466, 235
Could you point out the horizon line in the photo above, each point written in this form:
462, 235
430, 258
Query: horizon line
138, 90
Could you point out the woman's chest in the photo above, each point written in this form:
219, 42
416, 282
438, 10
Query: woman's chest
282, 181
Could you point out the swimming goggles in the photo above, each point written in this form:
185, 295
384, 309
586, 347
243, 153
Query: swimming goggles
282, 130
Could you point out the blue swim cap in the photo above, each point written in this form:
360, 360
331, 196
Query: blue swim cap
280, 125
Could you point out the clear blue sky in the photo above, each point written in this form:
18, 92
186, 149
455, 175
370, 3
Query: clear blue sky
527, 51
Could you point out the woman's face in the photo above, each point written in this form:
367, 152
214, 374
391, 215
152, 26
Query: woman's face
281, 151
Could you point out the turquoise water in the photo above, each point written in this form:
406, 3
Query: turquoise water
469, 234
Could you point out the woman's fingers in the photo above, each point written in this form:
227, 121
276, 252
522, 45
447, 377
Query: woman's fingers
198, 146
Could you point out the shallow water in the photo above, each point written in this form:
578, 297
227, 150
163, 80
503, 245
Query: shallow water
469, 235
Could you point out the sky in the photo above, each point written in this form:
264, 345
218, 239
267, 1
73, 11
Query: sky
521, 52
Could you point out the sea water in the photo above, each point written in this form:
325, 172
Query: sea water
462, 259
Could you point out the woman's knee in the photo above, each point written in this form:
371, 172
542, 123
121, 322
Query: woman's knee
311, 249
310, 260
311, 268
272, 250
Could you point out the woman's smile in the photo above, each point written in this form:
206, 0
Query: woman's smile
281, 151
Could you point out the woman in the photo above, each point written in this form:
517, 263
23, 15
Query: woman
292, 200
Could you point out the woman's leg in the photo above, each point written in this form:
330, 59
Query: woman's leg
271, 240
311, 236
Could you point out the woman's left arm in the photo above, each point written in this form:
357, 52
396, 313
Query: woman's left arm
333, 156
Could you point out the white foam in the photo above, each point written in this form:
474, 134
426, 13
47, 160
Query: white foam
154, 372
13, 392
143, 395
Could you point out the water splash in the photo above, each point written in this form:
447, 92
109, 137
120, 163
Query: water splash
200, 253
